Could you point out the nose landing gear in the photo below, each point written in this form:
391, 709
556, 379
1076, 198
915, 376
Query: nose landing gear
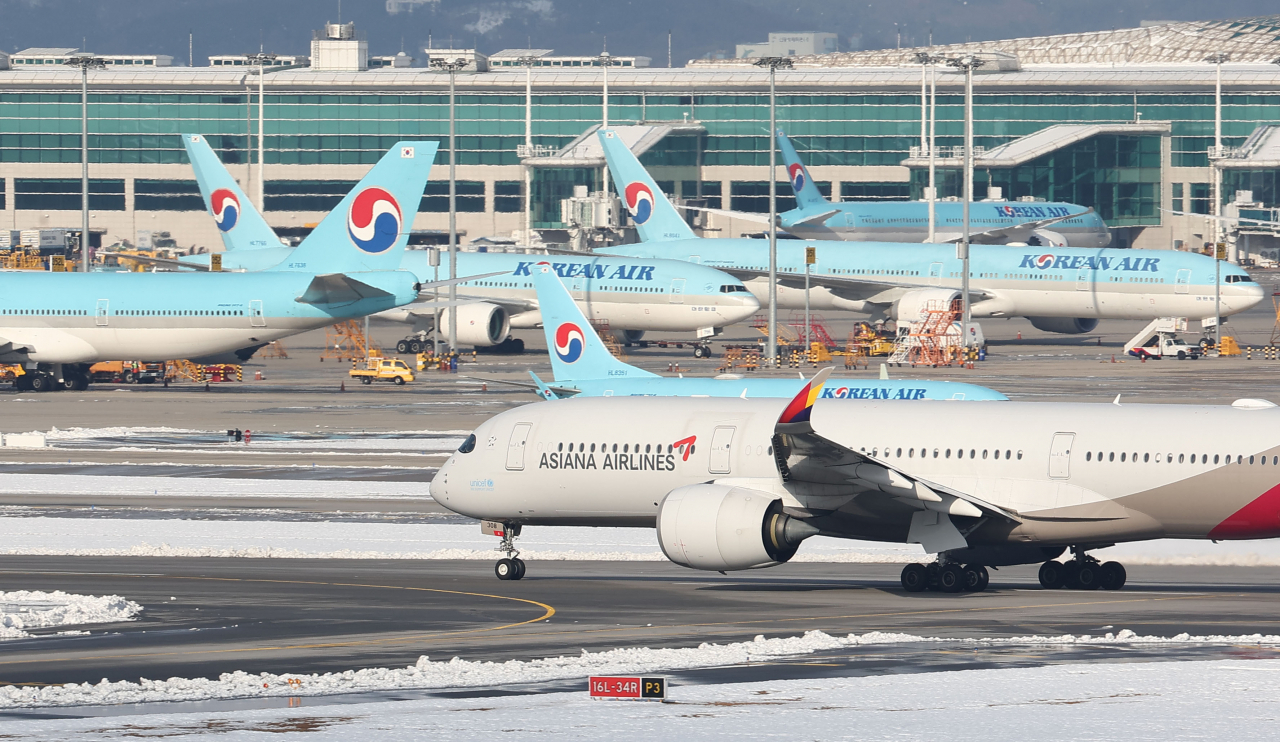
512, 567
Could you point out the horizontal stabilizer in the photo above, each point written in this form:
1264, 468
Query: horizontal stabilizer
338, 288
422, 287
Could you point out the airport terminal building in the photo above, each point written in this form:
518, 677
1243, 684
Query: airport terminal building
1122, 121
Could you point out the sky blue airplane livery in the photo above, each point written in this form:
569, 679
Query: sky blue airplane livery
991, 222
629, 295
56, 324
582, 366
1064, 290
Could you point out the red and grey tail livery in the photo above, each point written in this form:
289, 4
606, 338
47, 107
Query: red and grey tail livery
796, 415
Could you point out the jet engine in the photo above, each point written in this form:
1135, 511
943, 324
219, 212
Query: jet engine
719, 527
1064, 325
1046, 238
631, 336
913, 304
482, 324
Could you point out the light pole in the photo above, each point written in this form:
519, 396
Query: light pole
605, 61
260, 60
930, 62
968, 63
774, 64
84, 61
528, 63
1217, 60
452, 68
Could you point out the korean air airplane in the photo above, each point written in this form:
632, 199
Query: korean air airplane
990, 222
734, 484
57, 324
581, 365
630, 295
1063, 290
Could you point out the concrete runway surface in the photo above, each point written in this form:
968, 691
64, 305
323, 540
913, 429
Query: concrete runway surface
204, 617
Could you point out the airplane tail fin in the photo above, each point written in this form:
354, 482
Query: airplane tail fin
368, 229
807, 194
239, 223
655, 218
576, 350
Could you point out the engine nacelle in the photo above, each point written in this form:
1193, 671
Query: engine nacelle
1046, 238
1064, 325
631, 336
913, 304
718, 527
481, 324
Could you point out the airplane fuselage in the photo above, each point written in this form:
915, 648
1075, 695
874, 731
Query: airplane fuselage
88, 317
1072, 474
908, 221
626, 293
1018, 281
755, 388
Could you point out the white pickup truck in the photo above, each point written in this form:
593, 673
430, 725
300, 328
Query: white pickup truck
1159, 339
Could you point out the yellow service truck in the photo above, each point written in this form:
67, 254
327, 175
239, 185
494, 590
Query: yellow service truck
377, 368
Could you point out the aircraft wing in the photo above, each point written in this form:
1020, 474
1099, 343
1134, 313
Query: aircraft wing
1211, 217
804, 456
1022, 229
11, 350
513, 305
746, 216
810, 220
854, 288
162, 262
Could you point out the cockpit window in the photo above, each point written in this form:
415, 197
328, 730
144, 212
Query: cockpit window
1237, 279
733, 289
468, 445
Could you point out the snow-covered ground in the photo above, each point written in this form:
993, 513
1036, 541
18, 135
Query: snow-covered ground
457, 673
106, 487
313, 443
23, 610
356, 540
1158, 701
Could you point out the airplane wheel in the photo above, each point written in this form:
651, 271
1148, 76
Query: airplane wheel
1113, 576
974, 575
81, 383
701, 352
520, 567
402, 347
1053, 575
505, 569
68, 383
1083, 575
951, 578
41, 383
915, 578
415, 346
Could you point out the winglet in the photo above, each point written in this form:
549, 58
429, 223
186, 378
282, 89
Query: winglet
575, 348
652, 213
795, 418
807, 194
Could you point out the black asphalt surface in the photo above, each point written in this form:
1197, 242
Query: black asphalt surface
204, 617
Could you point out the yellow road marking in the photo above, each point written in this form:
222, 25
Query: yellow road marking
548, 613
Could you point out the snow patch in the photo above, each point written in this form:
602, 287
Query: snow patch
22, 610
459, 673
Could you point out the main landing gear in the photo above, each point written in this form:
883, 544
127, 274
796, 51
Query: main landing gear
511, 567
1083, 572
947, 578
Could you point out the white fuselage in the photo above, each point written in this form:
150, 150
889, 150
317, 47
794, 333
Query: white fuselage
1072, 471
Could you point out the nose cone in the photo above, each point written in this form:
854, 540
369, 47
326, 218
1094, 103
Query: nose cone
1248, 295
439, 487
738, 306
